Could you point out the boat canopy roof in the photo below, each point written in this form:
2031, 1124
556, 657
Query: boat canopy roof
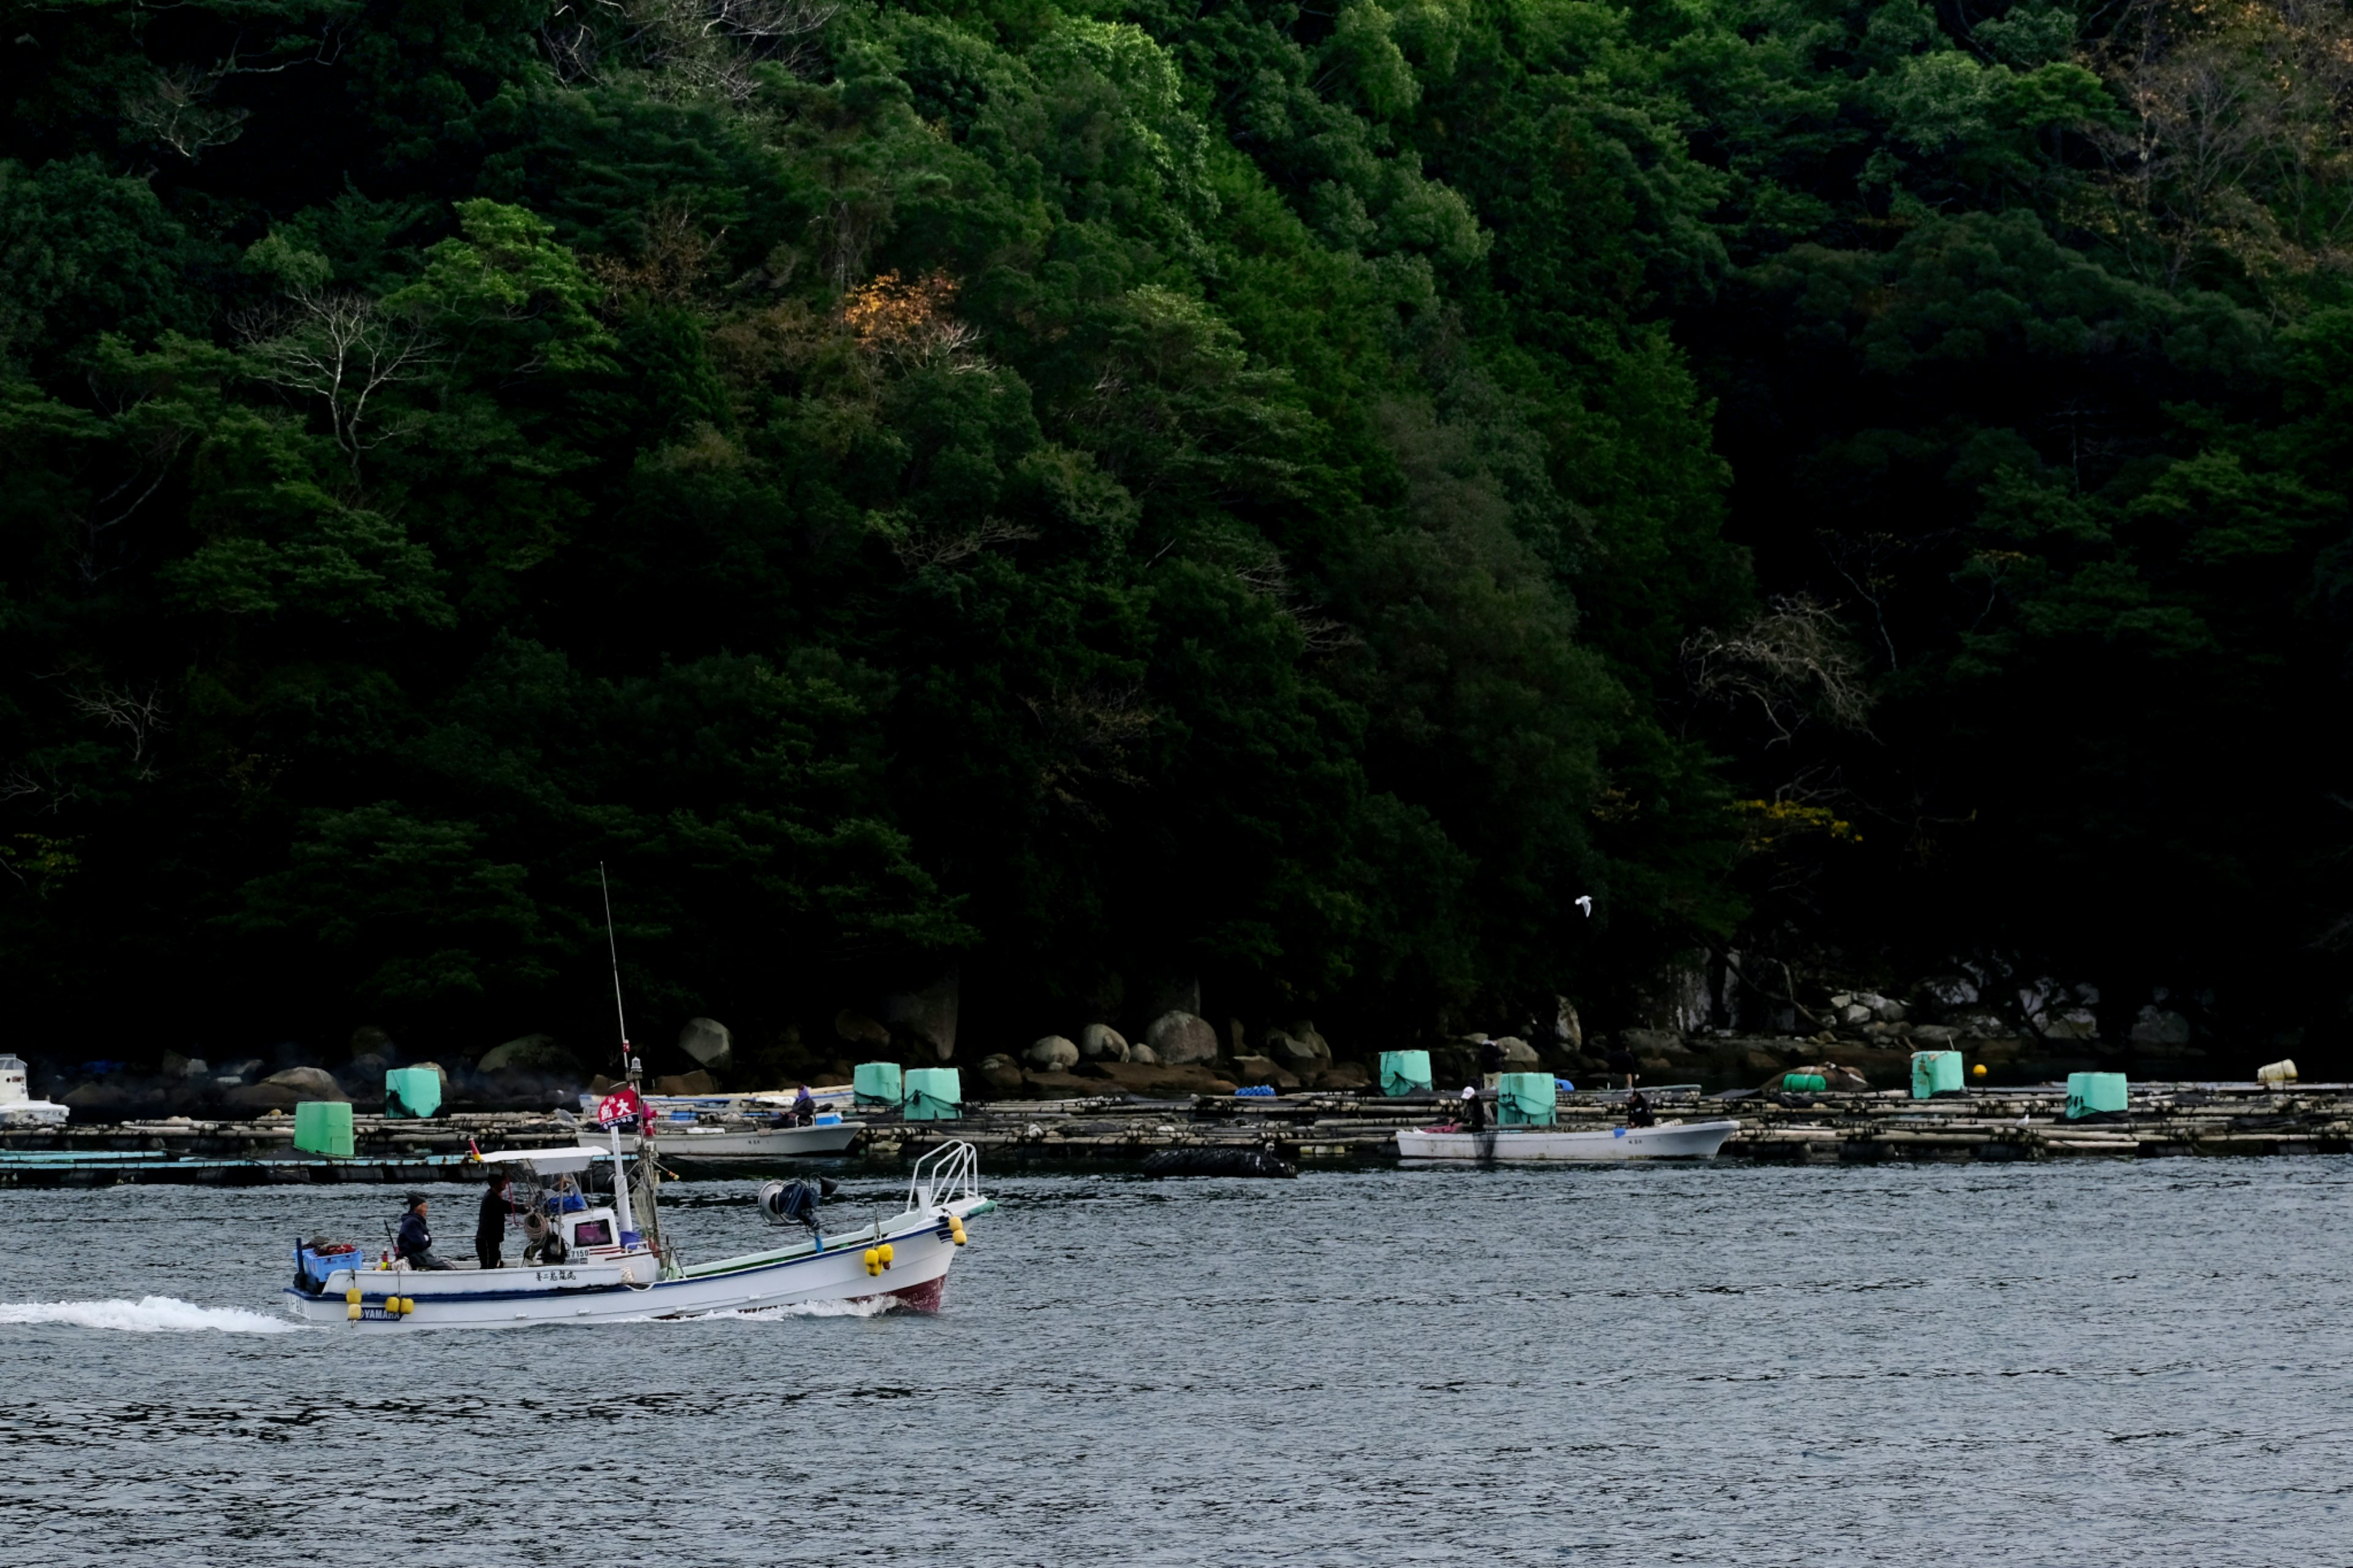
550, 1162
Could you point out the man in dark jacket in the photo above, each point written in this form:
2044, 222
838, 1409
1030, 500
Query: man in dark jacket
491, 1228
1491, 1062
415, 1243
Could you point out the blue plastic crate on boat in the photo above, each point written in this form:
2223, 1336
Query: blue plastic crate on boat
317, 1266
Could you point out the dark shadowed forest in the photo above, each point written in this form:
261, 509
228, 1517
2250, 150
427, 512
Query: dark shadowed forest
1059, 504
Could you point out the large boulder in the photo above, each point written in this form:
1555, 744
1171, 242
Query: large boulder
1263, 1071
858, 1029
1518, 1052
1650, 1042
1102, 1043
695, 1082
1345, 1075
1143, 1056
1053, 1053
2157, 1027
1181, 1039
531, 1053
1568, 1028
306, 1083
1001, 1073
1305, 1057
708, 1041
928, 1014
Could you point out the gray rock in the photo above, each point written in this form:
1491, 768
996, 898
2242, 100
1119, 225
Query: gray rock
1934, 1033
1650, 1042
709, 1042
1263, 1071
1102, 1043
1518, 1052
2068, 1023
1566, 1028
1853, 1013
1053, 1053
532, 1053
307, 1083
858, 1029
2157, 1027
1882, 1009
1143, 1056
928, 1013
1304, 1054
1181, 1039
1001, 1073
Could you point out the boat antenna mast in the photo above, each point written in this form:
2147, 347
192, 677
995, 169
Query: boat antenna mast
648, 1169
629, 1068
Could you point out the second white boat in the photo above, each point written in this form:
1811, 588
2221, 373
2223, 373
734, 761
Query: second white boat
1512, 1146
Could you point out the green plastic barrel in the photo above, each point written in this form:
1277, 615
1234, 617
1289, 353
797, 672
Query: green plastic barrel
323, 1127
1404, 1072
1526, 1099
1934, 1072
1804, 1080
412, 1091
934, 1094
2089, 1093
876, 1083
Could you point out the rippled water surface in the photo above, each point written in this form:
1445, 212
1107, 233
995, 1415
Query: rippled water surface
2067, 1364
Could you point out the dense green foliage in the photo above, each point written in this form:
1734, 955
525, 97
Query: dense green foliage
1098, 494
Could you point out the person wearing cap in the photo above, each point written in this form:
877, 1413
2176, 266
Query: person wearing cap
1474, 1109
490, 1227
415, 1243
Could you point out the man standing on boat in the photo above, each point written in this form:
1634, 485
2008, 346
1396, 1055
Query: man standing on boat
490, 1227
415, 1243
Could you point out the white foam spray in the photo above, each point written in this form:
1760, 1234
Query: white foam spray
148, 1315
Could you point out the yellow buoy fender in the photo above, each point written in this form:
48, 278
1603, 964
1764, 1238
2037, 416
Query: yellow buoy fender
956, 1228
352, 1310
883, 1252
873, 1261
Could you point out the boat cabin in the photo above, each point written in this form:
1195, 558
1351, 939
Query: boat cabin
561, 1220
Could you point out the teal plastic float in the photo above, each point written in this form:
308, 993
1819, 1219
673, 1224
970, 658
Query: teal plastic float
1934, 1072
934, 1094
876, 1084
1804, 1080
1526, 1099
323, 1127
412, 1091
2090, 1093
1404, 1072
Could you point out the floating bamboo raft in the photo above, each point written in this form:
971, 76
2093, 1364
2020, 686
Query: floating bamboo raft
1308, 1129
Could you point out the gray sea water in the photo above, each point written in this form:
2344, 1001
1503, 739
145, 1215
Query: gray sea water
2076, 1363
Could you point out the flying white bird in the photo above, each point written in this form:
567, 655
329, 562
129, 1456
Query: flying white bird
1586, 903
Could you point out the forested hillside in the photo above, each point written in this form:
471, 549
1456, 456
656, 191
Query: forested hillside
1084, 498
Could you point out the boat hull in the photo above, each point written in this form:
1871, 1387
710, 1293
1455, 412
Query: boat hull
739, 1145
609, 1289
1533, 1145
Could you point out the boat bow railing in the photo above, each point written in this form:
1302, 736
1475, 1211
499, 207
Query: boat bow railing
944, 1175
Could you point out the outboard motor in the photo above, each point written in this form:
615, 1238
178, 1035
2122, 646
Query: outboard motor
796, 1203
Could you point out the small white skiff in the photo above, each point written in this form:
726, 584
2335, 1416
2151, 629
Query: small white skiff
1667, 1141
590, 1263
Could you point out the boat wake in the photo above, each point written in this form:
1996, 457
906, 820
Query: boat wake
148, 1315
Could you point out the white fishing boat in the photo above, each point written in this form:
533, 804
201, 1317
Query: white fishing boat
17, 1106
745, 1142
1512, 1145
589, 1260
740, 1129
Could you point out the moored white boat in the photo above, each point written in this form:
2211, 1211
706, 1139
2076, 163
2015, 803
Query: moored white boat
1666, 1141
595, 1266
743, 1142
